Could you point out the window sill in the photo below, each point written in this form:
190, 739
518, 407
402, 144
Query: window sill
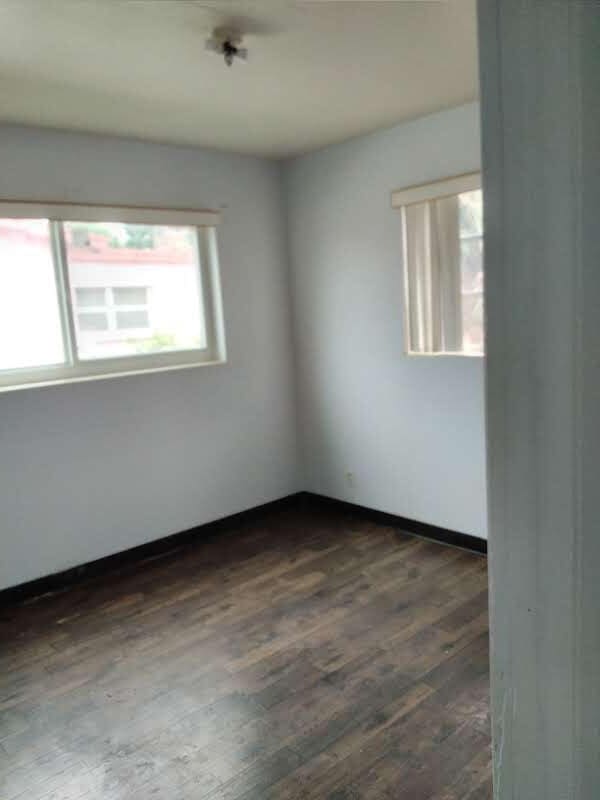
108, 375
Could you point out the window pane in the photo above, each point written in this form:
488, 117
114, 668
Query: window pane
132, 319
471, 253
473, 340
470, 213
92, 321
130, 296
154, 266
90, 297
30, 328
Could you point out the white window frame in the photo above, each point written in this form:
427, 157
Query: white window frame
75, 369
420, 193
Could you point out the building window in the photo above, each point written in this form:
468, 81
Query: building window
113, 308
442, 229
83, 299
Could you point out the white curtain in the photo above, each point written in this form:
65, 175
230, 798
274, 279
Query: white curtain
432, 276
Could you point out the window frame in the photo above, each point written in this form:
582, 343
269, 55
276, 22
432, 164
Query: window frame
420, 193
75, 369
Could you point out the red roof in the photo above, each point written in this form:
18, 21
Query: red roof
99, 248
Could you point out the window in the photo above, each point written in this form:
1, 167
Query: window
442, 226
102, 308
82, 298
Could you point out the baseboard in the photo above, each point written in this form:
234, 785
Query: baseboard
59, 581
422, 529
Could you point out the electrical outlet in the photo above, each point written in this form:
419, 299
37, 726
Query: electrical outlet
350, 480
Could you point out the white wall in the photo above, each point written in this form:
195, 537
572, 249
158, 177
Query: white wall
410, 429
540, 77
93, 468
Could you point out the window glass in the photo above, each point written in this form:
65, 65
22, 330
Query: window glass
132, 319
130, 295
150, 288
30, 325
92, 321
471, 258
90, 297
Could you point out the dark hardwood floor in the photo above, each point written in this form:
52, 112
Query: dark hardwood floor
310, 655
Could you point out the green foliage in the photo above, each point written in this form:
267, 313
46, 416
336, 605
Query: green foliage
136, 237
139, 237
158, 341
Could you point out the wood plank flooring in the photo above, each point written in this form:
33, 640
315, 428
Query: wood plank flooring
310, 654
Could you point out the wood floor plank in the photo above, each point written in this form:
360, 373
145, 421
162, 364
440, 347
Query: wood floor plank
309, 655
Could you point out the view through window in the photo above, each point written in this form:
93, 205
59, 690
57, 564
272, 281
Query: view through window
110, 295
136, 288
471, 268
30, 323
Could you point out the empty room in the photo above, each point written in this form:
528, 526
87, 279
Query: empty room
264, 395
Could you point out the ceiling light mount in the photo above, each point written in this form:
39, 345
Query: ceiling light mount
227, 43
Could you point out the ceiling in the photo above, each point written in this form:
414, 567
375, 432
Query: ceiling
318, 72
